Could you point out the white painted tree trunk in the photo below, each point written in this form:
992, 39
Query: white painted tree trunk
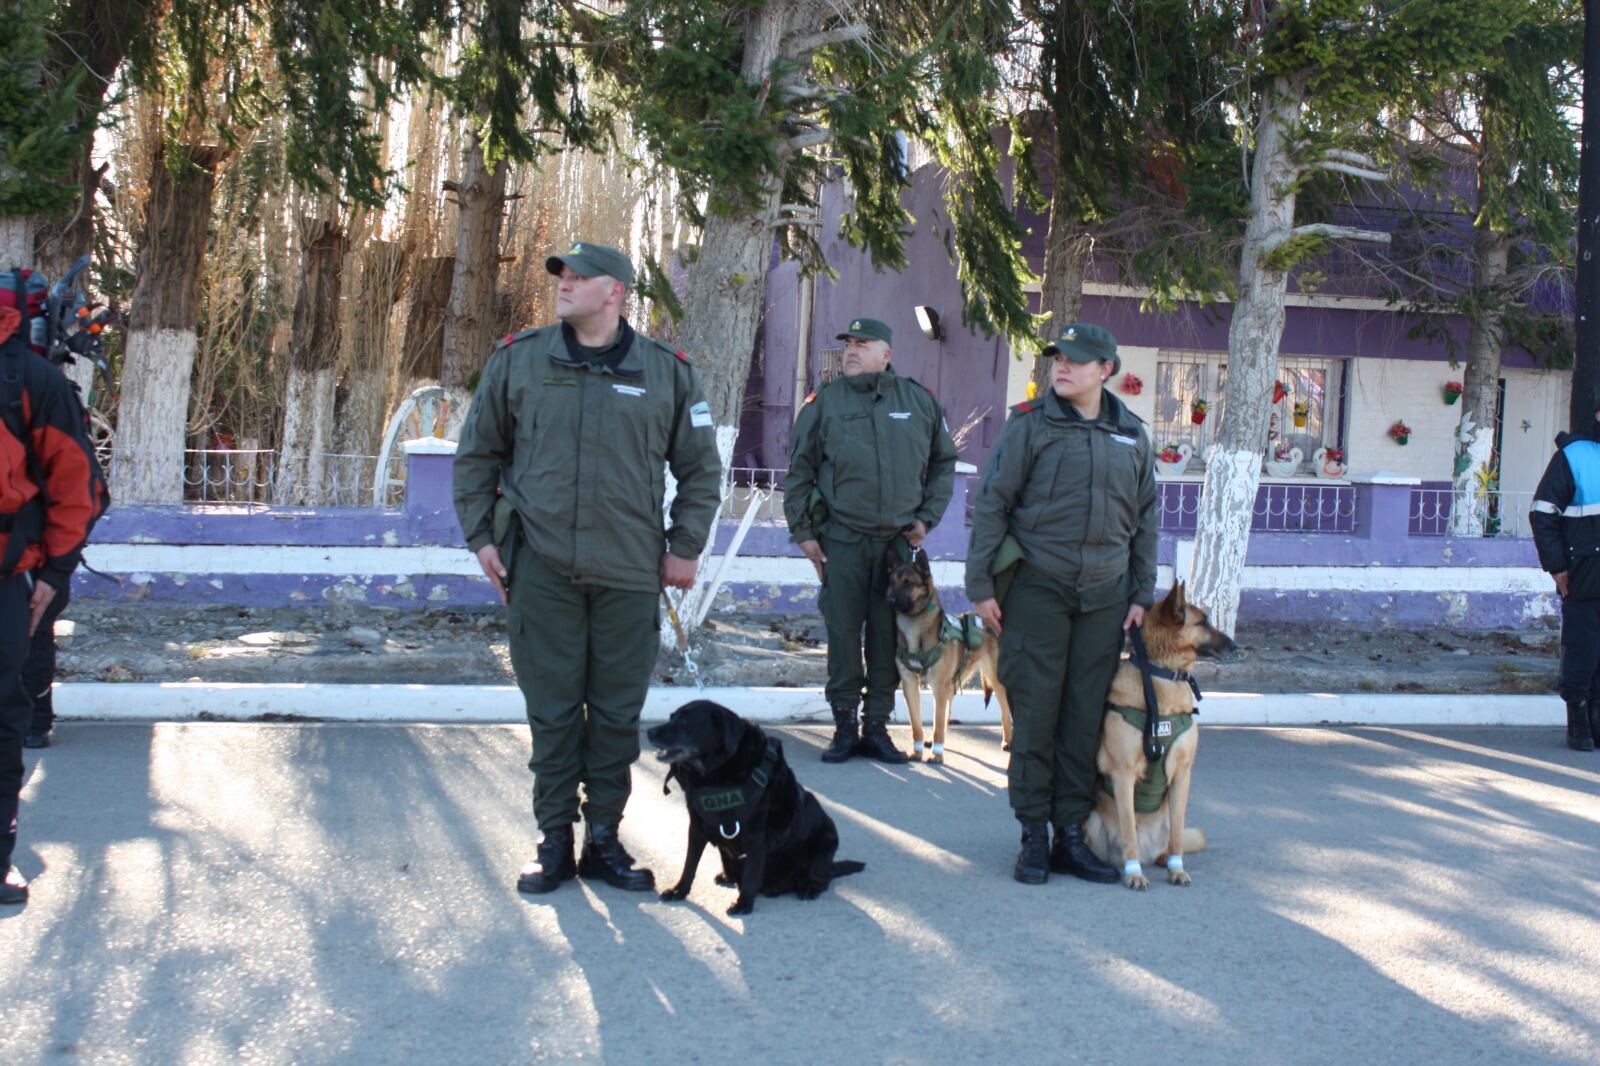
16, 241
1233, 474
689, 606
303, 475
1480, 389
147, 463
153, 412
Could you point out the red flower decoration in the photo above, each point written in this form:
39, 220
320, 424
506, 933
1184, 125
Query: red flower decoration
1132, 385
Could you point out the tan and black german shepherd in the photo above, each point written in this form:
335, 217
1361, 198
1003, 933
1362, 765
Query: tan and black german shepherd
920, 627
1175, 633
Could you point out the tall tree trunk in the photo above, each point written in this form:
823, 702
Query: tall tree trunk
313, 360
727, 285
147, 466
469, 321
1585, 402
16, 240
1480, 386
1066, 258
1228, 498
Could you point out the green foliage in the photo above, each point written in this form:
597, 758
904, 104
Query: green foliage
40, 137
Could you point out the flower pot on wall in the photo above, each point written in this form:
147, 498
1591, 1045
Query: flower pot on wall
1172, 468
1284, 467
1325, 465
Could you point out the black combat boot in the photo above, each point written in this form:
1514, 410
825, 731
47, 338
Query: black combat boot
605, 857
845, 734
1579, 738
875, 743
36, 738
552, 865
1071, 855
1594, 720
1033, 865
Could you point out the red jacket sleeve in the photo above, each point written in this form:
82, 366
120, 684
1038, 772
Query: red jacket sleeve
74, 487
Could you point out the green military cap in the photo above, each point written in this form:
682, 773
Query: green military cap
1084, 342
593, 260
868, 329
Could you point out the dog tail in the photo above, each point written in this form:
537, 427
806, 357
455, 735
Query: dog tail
842, 869
1193, 840
987, 692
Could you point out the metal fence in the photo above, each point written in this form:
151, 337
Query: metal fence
1288, 508
1499, 514
755, 486
253, 476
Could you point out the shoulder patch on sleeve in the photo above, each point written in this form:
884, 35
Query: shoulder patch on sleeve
1024, 407
512, 338
812, 395
683, 356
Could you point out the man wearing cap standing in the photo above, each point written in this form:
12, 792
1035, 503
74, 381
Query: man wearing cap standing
871, 465
559, 482
1070, 490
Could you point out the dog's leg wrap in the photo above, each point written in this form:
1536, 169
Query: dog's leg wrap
1131, 868
1174, 862
938, 749
916, 747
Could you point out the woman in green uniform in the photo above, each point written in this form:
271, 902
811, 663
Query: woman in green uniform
1067, 516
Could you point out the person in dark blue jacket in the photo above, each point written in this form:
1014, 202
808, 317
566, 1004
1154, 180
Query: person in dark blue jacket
1566, 530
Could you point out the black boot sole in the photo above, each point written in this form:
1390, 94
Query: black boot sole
36, 740
13, 896
1030, 877
1586, 744
540, 885
594, 872
838, 757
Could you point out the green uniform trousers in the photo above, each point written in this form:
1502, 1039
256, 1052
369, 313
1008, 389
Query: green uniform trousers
583, 657
1056, 663
855, 594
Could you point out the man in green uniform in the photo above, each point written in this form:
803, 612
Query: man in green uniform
559, 482
1071, 490
871, 463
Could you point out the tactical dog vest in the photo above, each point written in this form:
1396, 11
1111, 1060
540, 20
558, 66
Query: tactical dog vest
730, 807
1149, 791
967, 630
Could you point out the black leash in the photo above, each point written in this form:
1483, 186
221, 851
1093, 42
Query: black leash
1148, 671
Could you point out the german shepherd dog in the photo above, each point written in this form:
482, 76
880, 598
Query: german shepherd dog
1175, 633
919, 623
772, 834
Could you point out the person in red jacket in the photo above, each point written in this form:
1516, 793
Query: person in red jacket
51, 491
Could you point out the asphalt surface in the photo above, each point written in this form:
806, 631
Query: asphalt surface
222, 892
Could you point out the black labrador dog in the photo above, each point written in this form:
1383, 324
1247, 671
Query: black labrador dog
773, 835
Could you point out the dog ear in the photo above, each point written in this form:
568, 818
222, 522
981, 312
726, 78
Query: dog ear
1171, 606
924, 567
733, 728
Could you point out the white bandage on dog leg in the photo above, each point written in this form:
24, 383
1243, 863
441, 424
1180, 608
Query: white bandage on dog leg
1174, 862
916, 747
938, 749
1131, 868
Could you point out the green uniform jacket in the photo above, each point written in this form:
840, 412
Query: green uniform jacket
580, 451
1080, 499
877, 448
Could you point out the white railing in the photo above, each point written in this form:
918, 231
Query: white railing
1295, 507
1501, 514
758, 486
260, 476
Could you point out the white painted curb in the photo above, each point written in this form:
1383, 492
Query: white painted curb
503, 703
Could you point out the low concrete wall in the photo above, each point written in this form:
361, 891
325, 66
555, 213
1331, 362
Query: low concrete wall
1376, 573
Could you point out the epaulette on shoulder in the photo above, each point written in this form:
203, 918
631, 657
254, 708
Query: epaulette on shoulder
812, 395
1024, 407
512, 338
666, 349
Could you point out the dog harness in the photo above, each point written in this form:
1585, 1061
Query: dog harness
729, 807
967, 630
1150, 790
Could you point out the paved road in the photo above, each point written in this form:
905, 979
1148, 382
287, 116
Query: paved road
218, 892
